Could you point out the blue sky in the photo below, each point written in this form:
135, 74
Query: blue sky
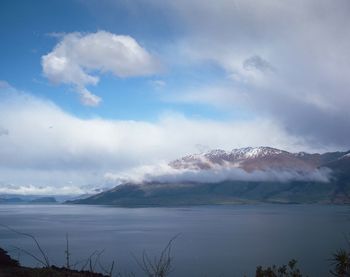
32, 35
102, 87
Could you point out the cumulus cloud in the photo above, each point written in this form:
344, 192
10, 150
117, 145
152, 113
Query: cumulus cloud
78, 59
51, 147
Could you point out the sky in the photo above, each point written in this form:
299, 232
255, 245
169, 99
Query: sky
96, 88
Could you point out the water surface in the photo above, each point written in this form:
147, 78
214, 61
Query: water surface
213, 240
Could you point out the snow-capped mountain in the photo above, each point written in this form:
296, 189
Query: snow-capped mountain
255, 158
252, 161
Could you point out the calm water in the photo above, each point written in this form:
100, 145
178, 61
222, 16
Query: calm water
213, 241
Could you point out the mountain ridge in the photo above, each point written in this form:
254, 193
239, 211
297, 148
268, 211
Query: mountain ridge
250, 160
247, 154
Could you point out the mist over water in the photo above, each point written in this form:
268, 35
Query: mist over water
213, 241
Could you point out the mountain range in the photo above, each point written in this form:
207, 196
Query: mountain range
245, 175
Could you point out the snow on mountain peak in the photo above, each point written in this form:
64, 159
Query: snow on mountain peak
217, 152
255, 152
219, 157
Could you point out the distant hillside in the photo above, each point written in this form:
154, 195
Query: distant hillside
11, 200
301, 189
18, 200
43, 200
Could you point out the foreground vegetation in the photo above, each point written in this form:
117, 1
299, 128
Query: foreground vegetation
158, 267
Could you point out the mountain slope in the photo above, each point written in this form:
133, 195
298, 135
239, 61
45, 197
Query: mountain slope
228, 192
249, 160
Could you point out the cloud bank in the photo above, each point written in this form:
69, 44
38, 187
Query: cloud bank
288, 60
47, 146
78, 59
164, 173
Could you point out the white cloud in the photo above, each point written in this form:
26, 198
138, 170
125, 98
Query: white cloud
79, 58
87, 98
290, 58
53, 148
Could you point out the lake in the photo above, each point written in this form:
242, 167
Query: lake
212, 241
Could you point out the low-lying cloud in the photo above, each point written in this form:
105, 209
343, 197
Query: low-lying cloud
166, 174
9, 189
